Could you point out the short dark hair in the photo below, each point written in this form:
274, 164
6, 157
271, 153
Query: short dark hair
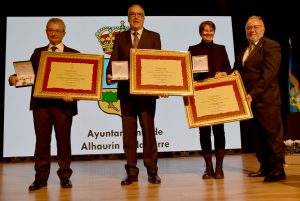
209, 23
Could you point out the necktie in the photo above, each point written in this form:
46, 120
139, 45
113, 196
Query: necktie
53, 48
135, 40
248, 51
252, 46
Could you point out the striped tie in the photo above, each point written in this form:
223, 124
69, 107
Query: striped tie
53, 48
248, 51
251, 47
136, 40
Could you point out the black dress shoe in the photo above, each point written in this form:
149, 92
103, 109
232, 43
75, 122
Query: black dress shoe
66, 183
37, 184
128, 180
259, 173
273, 177
154, 179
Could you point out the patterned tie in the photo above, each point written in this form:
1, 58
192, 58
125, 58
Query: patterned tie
53, 48
252, 46
248, 51
136, 40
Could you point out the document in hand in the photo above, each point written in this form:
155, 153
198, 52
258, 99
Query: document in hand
24, 73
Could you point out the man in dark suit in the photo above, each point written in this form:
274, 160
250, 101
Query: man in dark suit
135, 107
49, 114
218, 64
259, 68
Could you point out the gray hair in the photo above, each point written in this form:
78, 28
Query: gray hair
56, 21
255, 17
129, 9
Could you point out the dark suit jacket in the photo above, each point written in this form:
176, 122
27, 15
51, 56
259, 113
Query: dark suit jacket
217, 58
70, 108
121, 52
260, 72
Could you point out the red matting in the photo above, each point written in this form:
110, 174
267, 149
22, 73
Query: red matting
152, 86
214, 85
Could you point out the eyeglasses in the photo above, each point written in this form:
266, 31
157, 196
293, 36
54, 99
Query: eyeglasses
54, 31
255, 27
136, 15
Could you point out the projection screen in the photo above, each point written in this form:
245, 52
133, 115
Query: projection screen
97, 127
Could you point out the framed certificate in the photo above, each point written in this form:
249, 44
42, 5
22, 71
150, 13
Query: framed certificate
69, 74
217, 100
24, 73
156, 72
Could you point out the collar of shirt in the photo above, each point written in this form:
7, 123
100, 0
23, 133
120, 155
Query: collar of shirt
60, 47
253, 43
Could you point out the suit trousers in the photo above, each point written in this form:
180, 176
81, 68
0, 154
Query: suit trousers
142, 108
45, 119
268, 137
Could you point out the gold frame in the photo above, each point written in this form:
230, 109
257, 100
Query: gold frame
182, 59
230, 108
51, 60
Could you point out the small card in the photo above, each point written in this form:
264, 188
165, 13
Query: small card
24, 73
120, 70
200, 63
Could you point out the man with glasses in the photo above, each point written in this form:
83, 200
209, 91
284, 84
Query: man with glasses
49, 114
259, 65
135, 107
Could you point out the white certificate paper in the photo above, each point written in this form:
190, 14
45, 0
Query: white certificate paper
161, 72
219, 100
24, 73
70, 75
120, 70
200, 64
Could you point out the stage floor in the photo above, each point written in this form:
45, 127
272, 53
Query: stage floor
181, 181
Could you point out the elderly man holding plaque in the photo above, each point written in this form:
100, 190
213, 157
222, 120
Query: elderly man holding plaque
135, 107
51, 113
210, 60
